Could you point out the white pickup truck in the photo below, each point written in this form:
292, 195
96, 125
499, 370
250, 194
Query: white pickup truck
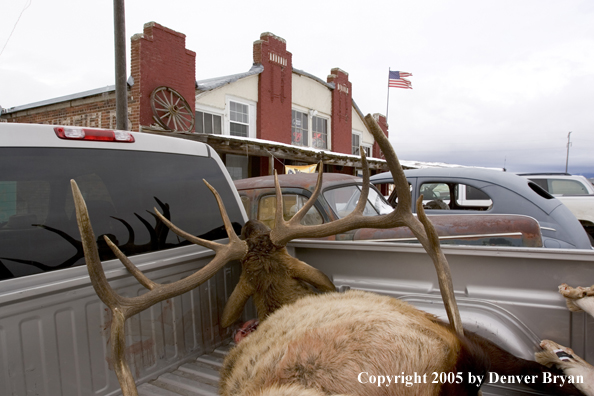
54, 330
576, 192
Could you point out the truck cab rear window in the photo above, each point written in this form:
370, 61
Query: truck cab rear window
38, 230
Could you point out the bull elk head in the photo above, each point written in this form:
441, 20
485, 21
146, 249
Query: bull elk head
266, 249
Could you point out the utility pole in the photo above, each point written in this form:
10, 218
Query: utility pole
568, 145
119, 24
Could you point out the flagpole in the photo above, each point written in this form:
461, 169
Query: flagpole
388, 101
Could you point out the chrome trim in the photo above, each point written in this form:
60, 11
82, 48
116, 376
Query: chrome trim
452, 237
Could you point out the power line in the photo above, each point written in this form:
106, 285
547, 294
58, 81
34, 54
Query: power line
15, 25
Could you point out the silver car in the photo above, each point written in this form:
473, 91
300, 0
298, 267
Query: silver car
471, 191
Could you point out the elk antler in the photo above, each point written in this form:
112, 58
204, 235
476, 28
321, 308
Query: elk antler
421, 227
124, 307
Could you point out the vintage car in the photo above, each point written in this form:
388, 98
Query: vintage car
340, 194
474, 191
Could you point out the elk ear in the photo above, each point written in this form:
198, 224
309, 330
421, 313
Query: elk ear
309, 274
236, 302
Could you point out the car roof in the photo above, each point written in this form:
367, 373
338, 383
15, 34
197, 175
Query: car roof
496, 177
298, 180
544, 174
510, 181
566, 176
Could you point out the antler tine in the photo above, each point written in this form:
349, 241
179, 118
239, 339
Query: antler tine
279, 218
444, 275
140, 277
400, 182
425, 234
285, 231
296, 219
233, 238
228, 226
98, 279
365, 189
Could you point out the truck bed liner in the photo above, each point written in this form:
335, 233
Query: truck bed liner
199, 377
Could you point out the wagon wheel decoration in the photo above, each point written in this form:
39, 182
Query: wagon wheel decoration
171, 110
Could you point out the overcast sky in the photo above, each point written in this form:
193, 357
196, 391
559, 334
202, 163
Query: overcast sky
495, 83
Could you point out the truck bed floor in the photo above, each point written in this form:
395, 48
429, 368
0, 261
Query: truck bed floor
199, 377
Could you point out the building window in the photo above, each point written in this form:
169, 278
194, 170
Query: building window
299, 129
356, 139
319, 127
237, 165
356, 143
208, 123
302, 134
239, 114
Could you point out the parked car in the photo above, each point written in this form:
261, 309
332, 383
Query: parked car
576, 192
340, 194
474, 191
560, 184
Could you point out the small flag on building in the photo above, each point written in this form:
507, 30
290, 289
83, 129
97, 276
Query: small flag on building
397, 80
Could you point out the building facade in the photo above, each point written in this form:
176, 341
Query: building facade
271, 117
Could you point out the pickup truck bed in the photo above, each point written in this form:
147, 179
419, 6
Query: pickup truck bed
495, 296
54, 337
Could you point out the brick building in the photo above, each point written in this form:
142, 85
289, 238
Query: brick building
269, 117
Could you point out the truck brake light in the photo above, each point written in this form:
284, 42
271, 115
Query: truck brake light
103, 135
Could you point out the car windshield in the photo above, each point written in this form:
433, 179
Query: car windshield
343, 201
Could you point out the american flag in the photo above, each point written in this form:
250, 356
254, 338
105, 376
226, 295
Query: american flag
397, 80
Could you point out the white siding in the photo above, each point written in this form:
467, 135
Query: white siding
310, 94
246, 88
359, 126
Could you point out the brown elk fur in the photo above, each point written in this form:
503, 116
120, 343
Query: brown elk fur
297, 345
322, 343
271, 276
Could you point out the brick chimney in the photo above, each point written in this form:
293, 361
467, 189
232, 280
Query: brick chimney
159, 58
274, 88
342, 107
383, 124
